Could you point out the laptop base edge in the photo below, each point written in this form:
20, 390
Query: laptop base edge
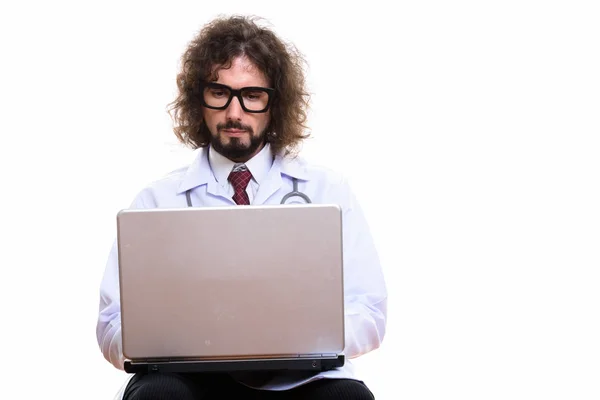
296, 364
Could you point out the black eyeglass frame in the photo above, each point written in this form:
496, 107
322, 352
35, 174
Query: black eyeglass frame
237, 93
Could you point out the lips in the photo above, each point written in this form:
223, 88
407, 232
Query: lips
234, 132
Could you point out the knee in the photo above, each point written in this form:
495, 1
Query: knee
158, 387
355, 390
341, 389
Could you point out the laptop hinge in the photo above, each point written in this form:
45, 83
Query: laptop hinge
153, 360
318, 355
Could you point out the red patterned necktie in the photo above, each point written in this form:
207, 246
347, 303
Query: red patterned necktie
239, 180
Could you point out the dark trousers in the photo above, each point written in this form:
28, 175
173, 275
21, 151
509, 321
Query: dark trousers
158, 386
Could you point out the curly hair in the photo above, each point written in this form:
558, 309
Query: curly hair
216, 45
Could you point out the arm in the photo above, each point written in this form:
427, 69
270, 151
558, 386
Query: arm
365, 293
108, 328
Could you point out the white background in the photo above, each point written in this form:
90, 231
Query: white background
469, 130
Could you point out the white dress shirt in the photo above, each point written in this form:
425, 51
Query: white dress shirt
365, 294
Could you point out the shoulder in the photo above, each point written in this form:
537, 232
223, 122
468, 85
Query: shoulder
315, 171
161, 190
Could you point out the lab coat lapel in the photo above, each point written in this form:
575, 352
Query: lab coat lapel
199, 173
292, 168
271, 184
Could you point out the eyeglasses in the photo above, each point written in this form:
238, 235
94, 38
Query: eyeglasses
253, 99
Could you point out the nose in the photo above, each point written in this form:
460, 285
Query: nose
235, 110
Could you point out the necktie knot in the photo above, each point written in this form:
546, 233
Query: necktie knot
239, 180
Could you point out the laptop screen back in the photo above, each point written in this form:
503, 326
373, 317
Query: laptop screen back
231, 282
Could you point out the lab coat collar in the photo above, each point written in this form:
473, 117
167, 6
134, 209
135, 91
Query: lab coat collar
259, 165
199, 173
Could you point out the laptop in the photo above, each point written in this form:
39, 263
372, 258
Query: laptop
239, 288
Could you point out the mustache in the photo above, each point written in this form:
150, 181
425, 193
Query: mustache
234, 125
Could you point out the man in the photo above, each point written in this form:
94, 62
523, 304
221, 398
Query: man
242, 102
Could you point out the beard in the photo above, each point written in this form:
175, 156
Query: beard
235, 148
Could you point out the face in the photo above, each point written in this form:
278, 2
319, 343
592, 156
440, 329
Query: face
237, 134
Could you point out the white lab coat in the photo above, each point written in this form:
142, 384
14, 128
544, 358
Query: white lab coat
364, 292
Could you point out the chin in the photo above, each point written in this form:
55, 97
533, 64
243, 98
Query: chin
235, 144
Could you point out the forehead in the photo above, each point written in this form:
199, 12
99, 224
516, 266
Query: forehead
242, 72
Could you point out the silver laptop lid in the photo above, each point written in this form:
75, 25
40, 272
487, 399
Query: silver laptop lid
231, 282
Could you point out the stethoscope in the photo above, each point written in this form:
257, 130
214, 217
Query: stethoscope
293, 193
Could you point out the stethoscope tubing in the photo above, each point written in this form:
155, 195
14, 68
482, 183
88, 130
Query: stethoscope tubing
293, 193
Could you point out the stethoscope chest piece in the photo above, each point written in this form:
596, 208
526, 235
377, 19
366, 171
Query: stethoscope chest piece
295, 193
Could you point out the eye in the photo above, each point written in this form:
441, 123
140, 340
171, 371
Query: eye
218, 93
253, 95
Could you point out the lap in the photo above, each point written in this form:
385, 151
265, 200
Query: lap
216, 386
159, 386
